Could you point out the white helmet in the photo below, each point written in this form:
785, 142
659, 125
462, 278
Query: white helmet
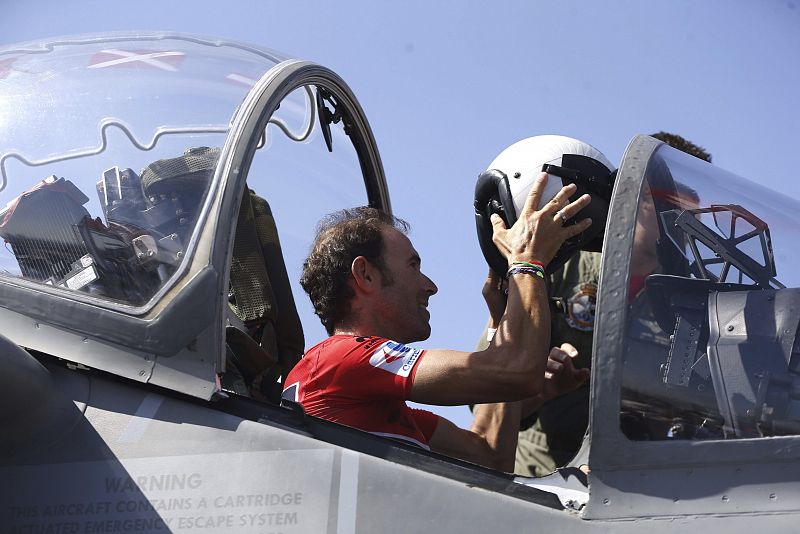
505, 185
522, 162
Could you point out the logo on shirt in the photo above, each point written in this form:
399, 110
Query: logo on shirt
581, 307
395, 357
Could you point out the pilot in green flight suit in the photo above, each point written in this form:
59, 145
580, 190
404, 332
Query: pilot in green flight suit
552, 436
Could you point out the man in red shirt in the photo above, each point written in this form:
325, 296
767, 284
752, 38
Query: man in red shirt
364, 279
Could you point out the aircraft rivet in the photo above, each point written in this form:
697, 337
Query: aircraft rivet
773, 497
725, 498
141, 373
605, 501
730, 328
517, 175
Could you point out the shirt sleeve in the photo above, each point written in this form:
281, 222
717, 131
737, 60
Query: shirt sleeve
426, 422
377, 368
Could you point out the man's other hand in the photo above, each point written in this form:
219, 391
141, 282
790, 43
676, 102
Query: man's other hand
561, 375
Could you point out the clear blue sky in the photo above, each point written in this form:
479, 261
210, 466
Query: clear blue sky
447, 85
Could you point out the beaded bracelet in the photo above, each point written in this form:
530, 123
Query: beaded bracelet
533, 270
533, 264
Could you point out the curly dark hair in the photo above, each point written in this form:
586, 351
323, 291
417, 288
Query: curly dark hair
342, 237
676, 141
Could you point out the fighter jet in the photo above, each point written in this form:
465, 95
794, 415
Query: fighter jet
156, 189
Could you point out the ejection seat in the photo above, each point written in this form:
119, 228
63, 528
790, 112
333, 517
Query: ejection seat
149, 218
264, 336
271, 341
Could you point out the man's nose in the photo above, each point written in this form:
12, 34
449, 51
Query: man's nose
430, 287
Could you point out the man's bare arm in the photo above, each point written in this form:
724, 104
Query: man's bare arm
491, 441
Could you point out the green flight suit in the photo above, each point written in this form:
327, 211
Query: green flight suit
551, 437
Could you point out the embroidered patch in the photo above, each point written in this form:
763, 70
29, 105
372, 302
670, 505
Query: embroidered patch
395, 358
581, 307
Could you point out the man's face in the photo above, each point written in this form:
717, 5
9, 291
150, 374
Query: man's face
403, 303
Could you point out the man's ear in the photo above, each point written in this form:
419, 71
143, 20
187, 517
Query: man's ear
365, 275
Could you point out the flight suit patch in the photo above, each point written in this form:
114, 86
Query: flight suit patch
581, 307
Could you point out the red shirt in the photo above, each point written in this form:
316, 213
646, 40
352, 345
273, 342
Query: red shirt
362, 382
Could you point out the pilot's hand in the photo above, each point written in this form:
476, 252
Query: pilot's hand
538, 234
561, 375
494, 293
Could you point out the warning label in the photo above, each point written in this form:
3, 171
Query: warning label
260, 492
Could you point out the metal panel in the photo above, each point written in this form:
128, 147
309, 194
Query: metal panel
177, 324
144, 461
609, 446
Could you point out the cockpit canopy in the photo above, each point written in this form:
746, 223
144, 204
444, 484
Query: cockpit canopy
712, 342
108, 148
143, 179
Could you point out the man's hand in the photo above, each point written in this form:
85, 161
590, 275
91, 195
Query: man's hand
561, 375
538, 234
